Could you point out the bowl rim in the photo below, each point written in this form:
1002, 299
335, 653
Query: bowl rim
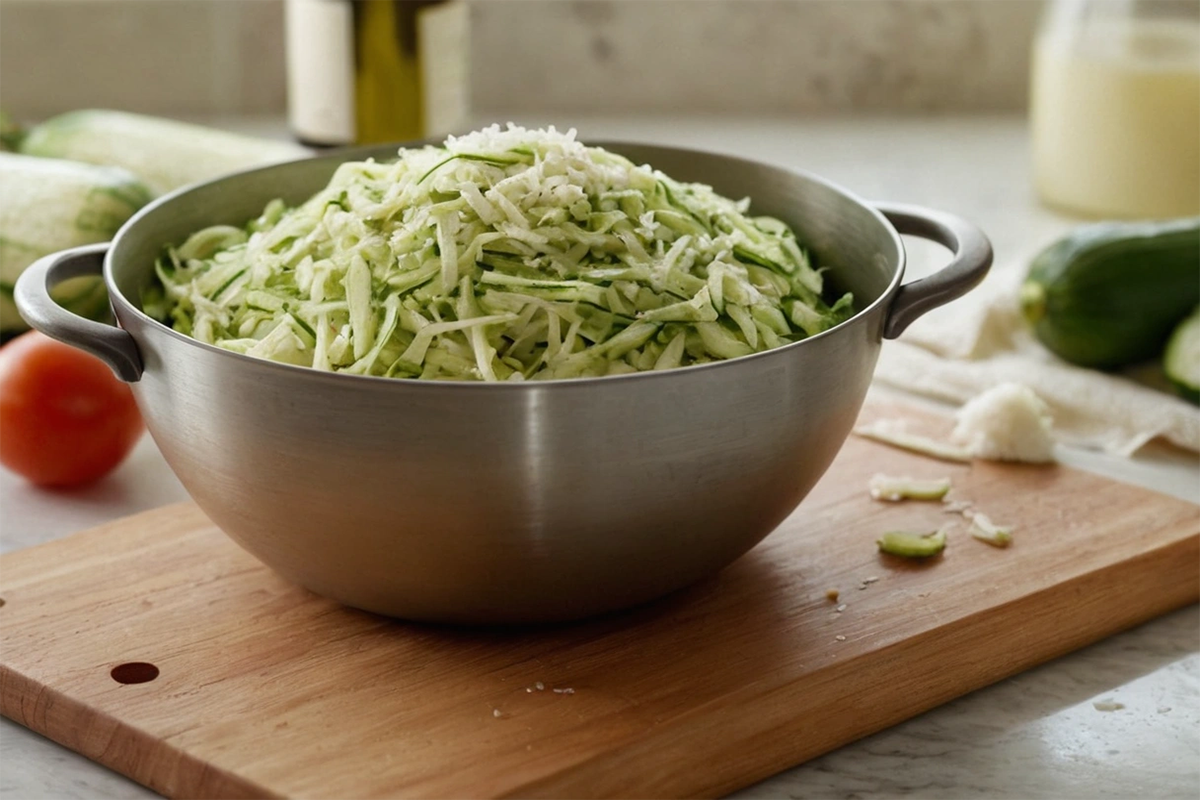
341, 155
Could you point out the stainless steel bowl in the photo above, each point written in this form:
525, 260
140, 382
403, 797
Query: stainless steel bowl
483, 503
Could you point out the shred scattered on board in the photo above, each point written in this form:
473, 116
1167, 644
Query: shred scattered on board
957, 506
913, 545
894, 432
983, 529
896, 488
1008, 422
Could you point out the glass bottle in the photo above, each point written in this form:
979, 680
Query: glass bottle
1115, 108
368, 71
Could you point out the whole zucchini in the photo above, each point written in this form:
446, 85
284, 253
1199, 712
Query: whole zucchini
1181, 361
163, 153
47, 205
1110, 294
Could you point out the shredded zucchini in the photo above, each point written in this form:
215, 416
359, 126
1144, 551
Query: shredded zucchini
894, 432
983, 529
912, 545
504, 255
894, 489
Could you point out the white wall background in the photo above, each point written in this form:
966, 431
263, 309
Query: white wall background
204, 57
167, 56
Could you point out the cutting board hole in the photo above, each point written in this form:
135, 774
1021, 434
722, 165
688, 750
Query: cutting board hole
134, 672
1, 602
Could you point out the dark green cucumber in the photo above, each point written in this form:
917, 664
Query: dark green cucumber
1110, 294
1181, 361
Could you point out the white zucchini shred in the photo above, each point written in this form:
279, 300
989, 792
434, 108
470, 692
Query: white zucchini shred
960, 507
983, 529
894, 489
894, 432
506, 254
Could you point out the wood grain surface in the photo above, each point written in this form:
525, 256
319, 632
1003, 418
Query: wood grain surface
264, 689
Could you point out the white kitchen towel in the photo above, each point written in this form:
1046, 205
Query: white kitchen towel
958, 351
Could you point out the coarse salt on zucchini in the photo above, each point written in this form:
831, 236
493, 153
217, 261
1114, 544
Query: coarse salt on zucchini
507, 254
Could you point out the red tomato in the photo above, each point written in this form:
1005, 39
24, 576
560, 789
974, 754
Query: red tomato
65, 419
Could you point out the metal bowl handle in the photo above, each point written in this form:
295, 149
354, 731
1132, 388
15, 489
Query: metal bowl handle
112, 345
972, 258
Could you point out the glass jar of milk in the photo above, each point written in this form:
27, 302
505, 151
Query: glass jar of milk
1115, 107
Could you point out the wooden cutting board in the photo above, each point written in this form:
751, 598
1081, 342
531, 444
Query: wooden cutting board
262, 689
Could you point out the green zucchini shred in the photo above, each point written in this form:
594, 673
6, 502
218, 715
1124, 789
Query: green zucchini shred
912, 545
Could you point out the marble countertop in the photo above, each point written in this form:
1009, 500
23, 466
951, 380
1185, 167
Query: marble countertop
1036, 735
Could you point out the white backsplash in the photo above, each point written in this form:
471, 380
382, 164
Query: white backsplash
221, 57
186, 57
759, 56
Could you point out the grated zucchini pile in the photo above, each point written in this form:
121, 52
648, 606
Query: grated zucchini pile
505, 255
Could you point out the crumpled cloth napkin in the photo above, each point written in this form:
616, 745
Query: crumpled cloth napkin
955, 352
